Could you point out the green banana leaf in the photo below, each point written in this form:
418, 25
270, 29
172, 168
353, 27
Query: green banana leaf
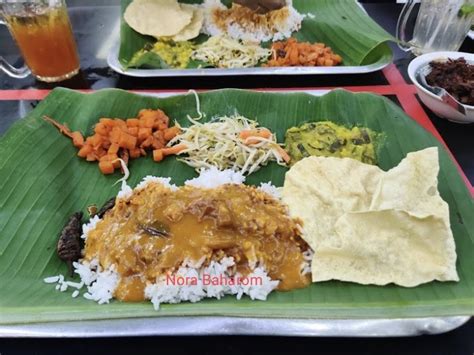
42, 182
341, 24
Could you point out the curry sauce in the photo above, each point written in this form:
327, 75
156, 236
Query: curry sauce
157, 229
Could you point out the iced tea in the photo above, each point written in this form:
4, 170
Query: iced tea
45, 38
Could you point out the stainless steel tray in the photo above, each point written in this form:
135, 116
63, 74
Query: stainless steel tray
114, 63
236, 326
202, 326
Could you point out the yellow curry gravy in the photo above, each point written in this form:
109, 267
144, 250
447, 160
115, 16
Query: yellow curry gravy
231, 220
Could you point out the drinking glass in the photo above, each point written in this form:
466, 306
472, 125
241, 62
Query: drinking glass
42, 30
440, 26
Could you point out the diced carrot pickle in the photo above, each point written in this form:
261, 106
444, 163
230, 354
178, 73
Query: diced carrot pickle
84, 151
124, 138
77, 139
133, 131
127, 141
132, 122
171, 132
135, 153
143, 133
107, 122
165, 119
101, 129
91, 157
96, 140
149, 121
115, 135
158, 155
106, 167
114, 148
156, 144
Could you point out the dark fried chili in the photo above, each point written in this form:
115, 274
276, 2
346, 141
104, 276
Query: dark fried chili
69, 244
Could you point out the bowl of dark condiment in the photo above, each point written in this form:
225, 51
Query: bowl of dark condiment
445, 83
456, 76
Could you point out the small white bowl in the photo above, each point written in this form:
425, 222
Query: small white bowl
434, 102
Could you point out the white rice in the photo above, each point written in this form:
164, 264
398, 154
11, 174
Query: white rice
279, 32
61, 284
100, 284
77, 285
166, 291
103, 287
154, 179
51, 279
125, 192
87, 227
86, 271
211, 178
270, 189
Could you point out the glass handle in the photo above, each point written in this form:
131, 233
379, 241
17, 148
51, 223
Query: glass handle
402, 25
18, 73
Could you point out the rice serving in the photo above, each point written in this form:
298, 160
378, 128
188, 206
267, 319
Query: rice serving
241, 23
194, 278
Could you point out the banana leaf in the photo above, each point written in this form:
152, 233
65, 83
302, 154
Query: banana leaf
341, 24
42, 182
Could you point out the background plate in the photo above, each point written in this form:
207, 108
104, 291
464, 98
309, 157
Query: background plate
344, 25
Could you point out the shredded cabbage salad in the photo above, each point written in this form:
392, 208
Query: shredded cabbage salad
225, 52
219, 143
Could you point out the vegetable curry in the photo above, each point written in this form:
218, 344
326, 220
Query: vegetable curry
325, 138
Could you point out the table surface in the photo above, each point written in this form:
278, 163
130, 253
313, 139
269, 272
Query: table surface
96, 30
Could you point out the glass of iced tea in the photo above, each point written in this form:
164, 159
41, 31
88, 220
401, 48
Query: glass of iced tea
42, 30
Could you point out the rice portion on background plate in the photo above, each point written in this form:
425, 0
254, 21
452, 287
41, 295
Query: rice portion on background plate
241, 23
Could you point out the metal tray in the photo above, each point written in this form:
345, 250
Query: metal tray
236, 326
114, 63
214, 325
